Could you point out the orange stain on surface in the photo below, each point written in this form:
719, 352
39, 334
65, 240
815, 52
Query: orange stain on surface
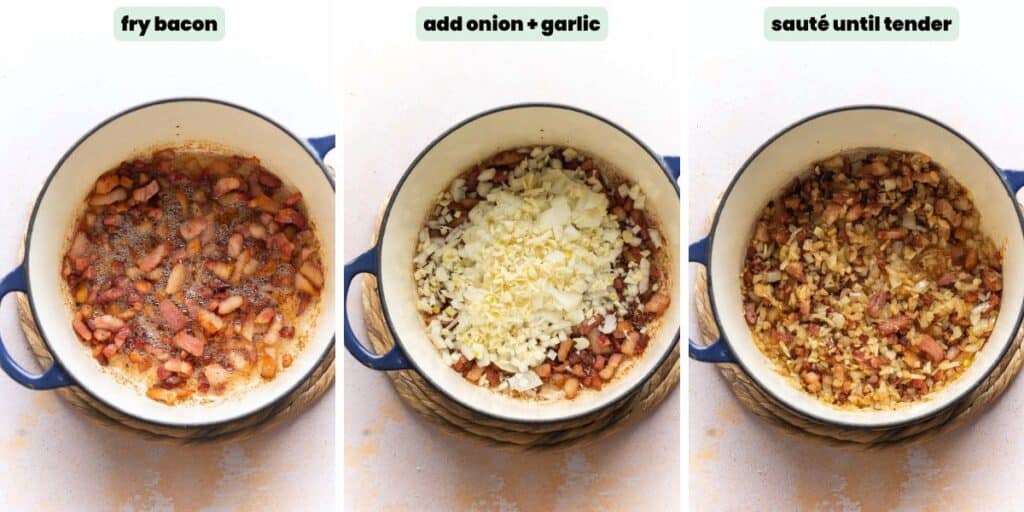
532, 481
586, 478
249, 474
183, 477
729, 413
928, 476
946, 479
44, 405
471, 477
578, 479
368, 446
830, 479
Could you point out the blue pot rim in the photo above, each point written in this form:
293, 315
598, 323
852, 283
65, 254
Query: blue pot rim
725, 197
28, 245
387, 213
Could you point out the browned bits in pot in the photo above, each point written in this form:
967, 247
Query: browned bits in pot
183, 268
882, 288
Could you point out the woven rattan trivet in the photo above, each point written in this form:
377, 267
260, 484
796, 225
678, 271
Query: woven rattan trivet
319, 381
757, 401
433, 405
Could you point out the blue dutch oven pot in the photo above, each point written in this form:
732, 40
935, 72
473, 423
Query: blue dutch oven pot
201, 123
472, 141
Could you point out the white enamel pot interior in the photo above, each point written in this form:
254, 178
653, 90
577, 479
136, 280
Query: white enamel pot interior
172, 122
469, 143
790, 153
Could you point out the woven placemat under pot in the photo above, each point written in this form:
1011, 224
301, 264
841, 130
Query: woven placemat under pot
304, 395
455, 419
753, 397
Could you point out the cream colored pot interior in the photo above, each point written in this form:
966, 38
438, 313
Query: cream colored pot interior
175, 122
790, 154
454, 154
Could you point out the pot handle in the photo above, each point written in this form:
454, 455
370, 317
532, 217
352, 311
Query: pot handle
55, 376
1015, 179
672, 163
366, 263
321, 145
717, 351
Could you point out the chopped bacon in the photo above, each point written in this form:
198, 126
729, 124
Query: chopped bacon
121, 337
831, 213
992, 280
893, 233
225, 185
281, 243
855, 212
761, 233
929, 346
600, 343
167, 396
184, 241
750, 312
111, 294
290, 216
303, 285
876, 169
796, 270
945, 209
194, 227
622, 329
235, 245
79, 247
116, 195
657, 303
178, 366
107, 322
81, 329
216, 374
507, 158
877, 303
143, 194
947, 279
81, 263
313, 273
189, 343
175, 280
153, 258
264, 203
893, 325
173, 316
268, 180
106, 183
210, 322
265, 316
589, 325
230, 304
